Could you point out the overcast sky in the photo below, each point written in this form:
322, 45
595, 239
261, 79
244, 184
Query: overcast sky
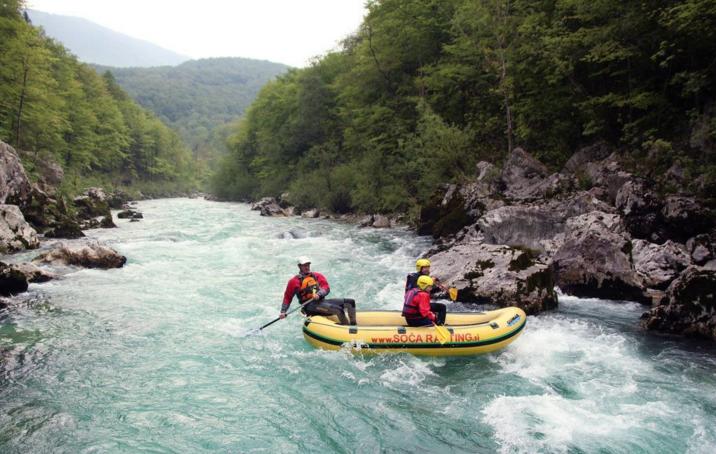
283, 31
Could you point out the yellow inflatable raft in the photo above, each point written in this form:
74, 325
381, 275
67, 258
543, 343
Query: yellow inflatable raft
381, 331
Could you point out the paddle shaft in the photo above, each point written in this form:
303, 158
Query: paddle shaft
287, 314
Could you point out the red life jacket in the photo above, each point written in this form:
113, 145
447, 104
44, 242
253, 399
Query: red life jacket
410, 308
309, 287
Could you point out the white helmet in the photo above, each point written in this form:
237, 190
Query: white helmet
304, 260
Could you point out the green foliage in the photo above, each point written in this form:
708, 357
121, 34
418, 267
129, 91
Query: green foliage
426, 88
199, 99
52, 104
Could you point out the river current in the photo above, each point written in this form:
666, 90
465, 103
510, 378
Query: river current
151, 357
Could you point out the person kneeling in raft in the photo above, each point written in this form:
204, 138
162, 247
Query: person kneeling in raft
417, 309
312, 286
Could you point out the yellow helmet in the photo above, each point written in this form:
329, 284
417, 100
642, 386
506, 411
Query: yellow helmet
425, 282
421, 263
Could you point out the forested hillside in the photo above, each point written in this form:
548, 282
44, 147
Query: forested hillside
56, 108
199, 98
425, 88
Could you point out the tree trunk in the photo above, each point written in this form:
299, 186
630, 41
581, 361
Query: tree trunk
506, 95
18, 121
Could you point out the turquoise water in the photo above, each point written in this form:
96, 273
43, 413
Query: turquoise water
150, 358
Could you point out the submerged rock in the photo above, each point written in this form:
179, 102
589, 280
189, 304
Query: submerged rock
294, 233
499, 275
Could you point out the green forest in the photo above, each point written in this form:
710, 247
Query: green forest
426, 88
53, 107
199, 98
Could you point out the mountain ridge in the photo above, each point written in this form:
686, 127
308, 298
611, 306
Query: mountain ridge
95, 44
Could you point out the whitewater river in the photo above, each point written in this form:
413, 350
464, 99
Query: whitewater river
150, 357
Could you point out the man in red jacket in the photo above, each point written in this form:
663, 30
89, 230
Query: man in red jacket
312, 286
417, 309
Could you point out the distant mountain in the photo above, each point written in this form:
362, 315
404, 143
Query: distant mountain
92, 43
200, 97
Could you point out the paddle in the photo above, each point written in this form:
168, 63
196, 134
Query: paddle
257, 330
452, 291
442, 332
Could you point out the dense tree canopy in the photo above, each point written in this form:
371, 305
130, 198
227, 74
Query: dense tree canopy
200, 98
425, 88
53, 106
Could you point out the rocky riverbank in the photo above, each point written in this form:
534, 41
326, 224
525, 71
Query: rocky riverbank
34, 212
594, 229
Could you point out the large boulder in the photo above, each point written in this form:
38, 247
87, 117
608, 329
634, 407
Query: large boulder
659, 264
641, 208
594, 260
15, 233
65, 227
449, 211
118, 199
701, 248
592, 153
92, 204
268, 206
683, 217
89, 255
495, 274
521, 174
312, 213
521, 225
690, 307
537, 226
12, 281
33, 273
606, 174
381, 221
51, 215
15, 187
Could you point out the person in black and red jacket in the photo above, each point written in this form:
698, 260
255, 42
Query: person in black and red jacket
417, 308
313, 286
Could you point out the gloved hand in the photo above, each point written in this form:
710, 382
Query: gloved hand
282, 315
321, 293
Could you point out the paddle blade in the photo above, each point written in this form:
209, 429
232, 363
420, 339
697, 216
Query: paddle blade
442, 333
452, 293
251, 332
